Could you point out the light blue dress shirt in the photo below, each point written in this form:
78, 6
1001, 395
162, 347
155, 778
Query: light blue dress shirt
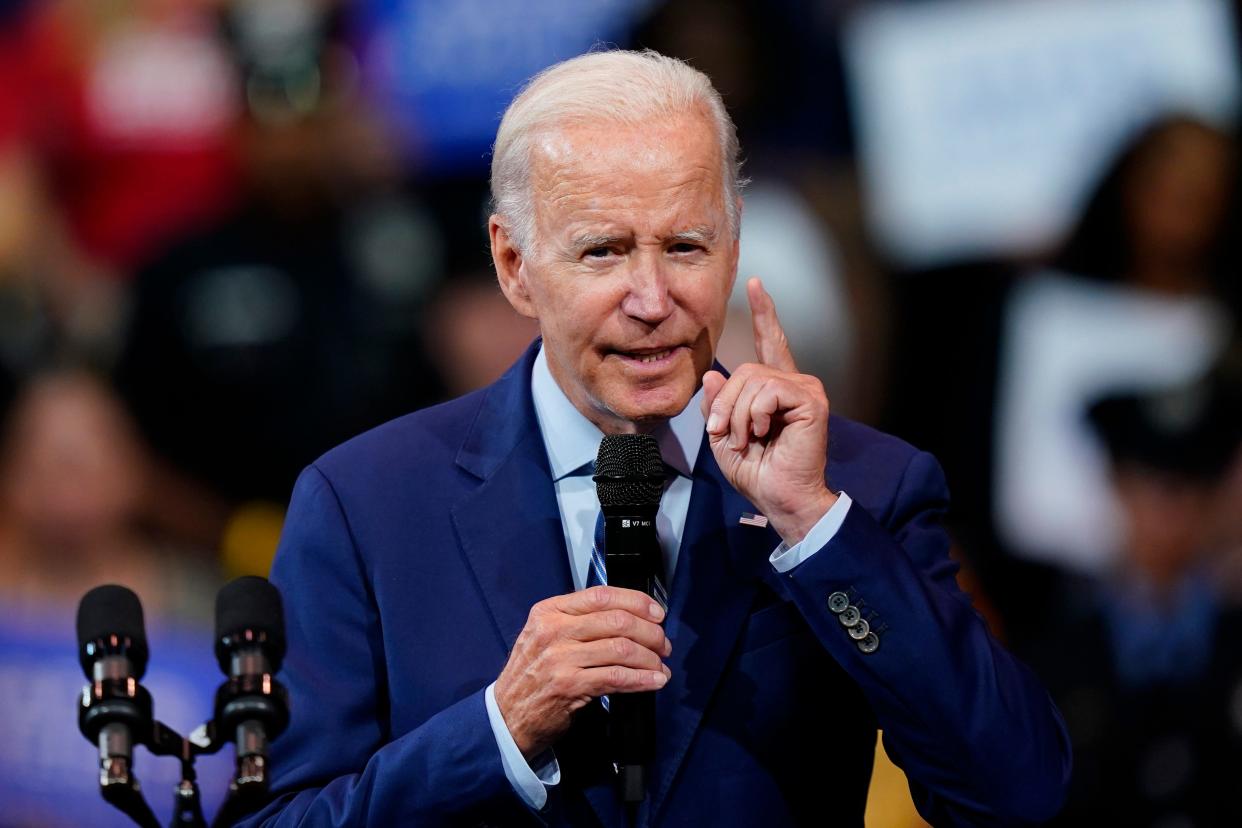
572, 442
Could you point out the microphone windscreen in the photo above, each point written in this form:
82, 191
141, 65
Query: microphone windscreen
629, 471
251, 603
112, 612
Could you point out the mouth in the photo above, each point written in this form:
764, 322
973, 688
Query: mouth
649, 358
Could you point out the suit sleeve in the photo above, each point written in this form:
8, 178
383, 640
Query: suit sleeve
338, 763
977, 735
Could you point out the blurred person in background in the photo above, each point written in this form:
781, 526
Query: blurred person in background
115, 122
1139, 294
72, 483
473, 334
73, 480
260, 341
1146, 660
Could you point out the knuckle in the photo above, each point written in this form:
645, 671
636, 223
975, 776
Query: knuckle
617, 676
537, 628
618, 619
623, 647
561, 682
598, 596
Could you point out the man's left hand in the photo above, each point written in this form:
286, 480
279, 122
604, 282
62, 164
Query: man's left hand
768, 428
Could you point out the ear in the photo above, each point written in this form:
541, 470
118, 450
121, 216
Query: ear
511, 270
735, 253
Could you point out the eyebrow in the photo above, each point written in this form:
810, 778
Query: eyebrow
701, 234
590, 240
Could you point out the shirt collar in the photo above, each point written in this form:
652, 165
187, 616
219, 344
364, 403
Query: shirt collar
577, 439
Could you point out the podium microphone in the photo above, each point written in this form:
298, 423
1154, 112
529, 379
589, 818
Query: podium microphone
115, 712
251, 708
629, 480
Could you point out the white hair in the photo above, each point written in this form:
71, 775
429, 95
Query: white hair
611, 86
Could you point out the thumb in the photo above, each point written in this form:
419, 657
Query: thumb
713, 381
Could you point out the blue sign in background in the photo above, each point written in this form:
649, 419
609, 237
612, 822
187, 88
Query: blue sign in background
444, 72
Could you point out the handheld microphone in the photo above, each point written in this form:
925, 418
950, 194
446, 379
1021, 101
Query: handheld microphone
251, 708
629, 480
115, 711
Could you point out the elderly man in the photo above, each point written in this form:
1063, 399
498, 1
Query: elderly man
445, 651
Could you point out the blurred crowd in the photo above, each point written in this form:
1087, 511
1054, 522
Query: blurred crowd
227, 244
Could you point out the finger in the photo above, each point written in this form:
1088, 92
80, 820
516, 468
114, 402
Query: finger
721, 409
713, 381
622, 651
771, 345
601, 598
740, 419
599, 626
765, 403
604, 681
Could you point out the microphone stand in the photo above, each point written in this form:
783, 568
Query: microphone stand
187, 805
120, 789
242, 798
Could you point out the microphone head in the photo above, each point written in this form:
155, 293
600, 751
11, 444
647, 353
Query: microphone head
110, 623
629, 471
249, 612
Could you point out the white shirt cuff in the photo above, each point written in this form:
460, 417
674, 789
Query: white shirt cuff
531, 784
785, 558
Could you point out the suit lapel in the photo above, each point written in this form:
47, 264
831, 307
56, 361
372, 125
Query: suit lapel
510, 526
512, 538
718, 572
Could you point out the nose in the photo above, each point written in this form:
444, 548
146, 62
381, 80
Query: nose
648, 298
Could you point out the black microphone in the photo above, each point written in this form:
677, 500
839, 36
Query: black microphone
115, 711
629, 480
251, 708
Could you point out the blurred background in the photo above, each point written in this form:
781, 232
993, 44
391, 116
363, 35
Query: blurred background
235, 232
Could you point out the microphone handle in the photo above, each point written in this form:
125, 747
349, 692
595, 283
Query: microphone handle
632, 556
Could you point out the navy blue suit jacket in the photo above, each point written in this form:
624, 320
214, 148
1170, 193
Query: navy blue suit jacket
413, 553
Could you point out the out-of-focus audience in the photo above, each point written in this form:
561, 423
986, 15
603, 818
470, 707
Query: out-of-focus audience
72, 483
202, 210
1138, 295
1145, 659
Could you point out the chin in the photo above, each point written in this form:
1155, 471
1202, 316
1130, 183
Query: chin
655, 404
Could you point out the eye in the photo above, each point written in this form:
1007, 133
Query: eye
685, 247
598, 253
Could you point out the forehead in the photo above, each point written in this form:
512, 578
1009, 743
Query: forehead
660, 172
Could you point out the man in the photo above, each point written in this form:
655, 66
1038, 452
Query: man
444, 656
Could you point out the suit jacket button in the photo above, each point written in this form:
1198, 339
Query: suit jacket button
837, 602
870, 643
860, 630
850, 616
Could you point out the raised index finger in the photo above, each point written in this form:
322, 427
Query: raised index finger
771, 346
600, 598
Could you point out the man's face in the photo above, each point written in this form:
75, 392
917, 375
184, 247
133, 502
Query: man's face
631, 266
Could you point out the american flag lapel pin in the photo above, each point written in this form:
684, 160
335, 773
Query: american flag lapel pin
747, 519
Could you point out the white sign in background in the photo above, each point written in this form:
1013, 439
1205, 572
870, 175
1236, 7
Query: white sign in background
983, 123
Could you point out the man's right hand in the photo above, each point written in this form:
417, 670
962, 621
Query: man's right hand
575, 648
